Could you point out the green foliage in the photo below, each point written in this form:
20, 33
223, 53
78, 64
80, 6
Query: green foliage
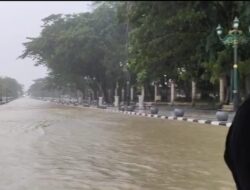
87, 44
154, 37
244, 67
141, 77
10, 87
161, 42
45, 87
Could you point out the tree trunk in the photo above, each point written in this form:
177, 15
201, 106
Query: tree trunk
193, 92
223, 89
187, 90
227, 89
173, 94
143, 91
132, 93
123, 95
104, 92
156, 92
116, 89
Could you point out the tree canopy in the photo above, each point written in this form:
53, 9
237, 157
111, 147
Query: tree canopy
9, 87
79, 45
151, 38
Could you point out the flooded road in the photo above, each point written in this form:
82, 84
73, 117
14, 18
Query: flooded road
45, 146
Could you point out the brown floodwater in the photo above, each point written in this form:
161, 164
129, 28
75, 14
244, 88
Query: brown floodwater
45, 146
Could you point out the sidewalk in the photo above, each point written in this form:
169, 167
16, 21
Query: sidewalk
165, 109
201, 111
195, 113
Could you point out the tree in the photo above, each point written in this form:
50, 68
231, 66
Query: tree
150, 39
9, 87
183, 37
87, 44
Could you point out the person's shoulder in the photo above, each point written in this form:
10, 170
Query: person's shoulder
247, 99
243, 111
246, 103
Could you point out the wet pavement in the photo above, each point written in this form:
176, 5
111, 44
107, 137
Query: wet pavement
49, 146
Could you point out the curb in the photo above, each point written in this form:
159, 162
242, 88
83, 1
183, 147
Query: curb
156, 116
200, 121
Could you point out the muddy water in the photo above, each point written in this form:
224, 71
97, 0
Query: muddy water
45, 146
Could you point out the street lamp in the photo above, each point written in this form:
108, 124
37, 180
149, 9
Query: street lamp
234, 38
166, 84
165, 80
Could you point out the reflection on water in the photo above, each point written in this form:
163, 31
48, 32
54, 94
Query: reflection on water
52, 147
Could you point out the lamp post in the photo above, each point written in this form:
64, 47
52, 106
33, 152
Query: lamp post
234, 38
165, 79
166, 84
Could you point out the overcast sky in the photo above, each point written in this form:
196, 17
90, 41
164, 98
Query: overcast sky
19, 20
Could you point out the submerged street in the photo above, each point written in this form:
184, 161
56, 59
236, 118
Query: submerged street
55, 147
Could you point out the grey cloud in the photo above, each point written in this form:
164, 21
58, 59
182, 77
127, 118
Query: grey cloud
19, 20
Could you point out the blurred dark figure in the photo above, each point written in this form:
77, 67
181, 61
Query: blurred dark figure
237, 148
